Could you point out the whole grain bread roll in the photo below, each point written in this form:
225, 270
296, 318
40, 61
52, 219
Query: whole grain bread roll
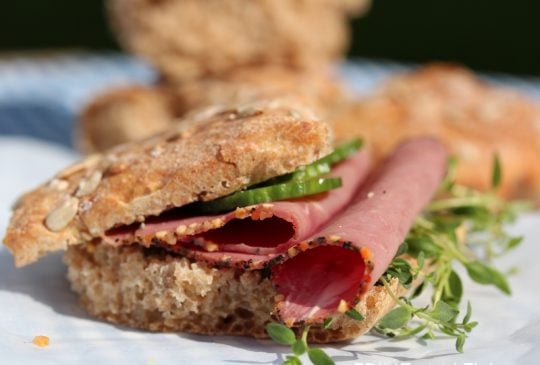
474, 119
188, 39
122, 115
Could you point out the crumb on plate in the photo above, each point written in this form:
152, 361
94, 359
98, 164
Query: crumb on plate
41, 341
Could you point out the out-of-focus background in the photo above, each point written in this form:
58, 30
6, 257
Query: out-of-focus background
57, 55
487, 35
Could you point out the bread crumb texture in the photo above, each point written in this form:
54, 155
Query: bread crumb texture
158, 292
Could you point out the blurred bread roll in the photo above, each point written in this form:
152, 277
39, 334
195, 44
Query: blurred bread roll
130, 113
187, 39
474, 119
121, 115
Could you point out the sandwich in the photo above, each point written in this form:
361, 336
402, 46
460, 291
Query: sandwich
233, 220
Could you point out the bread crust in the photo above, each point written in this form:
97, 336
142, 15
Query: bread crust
189, 39
207, 156
473, 119
146, 289
131, 113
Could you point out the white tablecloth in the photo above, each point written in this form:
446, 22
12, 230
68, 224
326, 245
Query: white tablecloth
36, 300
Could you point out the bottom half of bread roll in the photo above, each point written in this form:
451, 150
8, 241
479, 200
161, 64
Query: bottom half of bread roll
158, 291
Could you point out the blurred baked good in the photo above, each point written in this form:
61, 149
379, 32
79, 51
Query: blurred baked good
132, 113
121, 115
474, 119
186, 39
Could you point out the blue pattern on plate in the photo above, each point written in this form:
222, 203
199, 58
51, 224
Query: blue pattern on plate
41, 96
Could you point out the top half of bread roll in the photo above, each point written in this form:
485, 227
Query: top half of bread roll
207, 156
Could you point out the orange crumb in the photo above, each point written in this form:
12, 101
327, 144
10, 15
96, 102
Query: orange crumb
41, 341
366, 254
343, 306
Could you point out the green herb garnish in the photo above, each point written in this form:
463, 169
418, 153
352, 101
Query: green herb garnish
327, 323
496, 175
299, 346
354, 314
462, 227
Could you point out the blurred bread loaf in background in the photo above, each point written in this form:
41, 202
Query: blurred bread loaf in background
187, 39
474, 119
121, 115
219, 53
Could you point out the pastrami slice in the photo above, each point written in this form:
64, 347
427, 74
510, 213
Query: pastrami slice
265, 229
373, 227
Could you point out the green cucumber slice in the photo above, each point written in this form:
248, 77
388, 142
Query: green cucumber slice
302, 173
324, 165
305, 180
342, 151
283, 191
319, 167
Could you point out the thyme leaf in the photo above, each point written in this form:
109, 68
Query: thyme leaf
299, 346
280, 334
396, 318
496, 176
319, 357
327, 323
354, 314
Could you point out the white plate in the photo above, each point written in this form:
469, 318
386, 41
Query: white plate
36, 300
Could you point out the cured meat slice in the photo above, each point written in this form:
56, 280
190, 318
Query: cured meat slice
265, 229
355, 249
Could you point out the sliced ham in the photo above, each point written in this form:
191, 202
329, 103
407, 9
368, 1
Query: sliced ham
368, 234
262, 231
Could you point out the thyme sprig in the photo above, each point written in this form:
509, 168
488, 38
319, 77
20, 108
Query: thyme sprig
461, 227
299, 346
